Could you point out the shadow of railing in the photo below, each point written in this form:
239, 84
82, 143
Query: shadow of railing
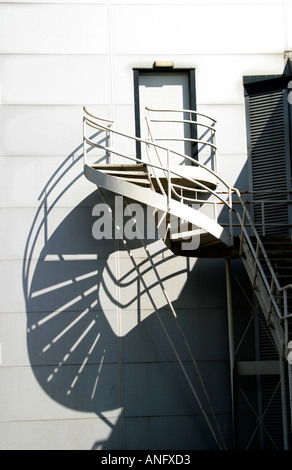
74, 295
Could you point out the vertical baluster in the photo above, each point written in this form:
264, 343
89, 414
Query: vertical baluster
84, 141
230, 215
168, 182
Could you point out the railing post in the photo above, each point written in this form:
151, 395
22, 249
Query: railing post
109, 142
230, 215
214, 151
270, 298
168, 181
231, 341
255, 266
242, 232
84, 141
215, 210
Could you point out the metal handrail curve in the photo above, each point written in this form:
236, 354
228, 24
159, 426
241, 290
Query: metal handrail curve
243, 220
191, 122
246, 215
190, 111
275, 285
168, 169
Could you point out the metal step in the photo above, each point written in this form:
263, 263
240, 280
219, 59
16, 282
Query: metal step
100, 175
279, 252
269, 309
120, 166
136, 174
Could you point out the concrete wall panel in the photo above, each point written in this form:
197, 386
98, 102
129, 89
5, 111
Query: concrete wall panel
59, 29
43, 79
85, 361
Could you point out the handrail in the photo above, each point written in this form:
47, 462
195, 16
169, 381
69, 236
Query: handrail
176, 173
197, 141
270, 289
185, 121
258, 264
173, 187
168, 176
255, 233
244, 222
210, 129
191, 111
85, 119
96, 117
97, 126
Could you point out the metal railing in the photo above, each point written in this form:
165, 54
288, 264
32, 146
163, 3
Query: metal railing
251, 245
245, 222
277, 303
154, 162
261, 261
206, 139
93, 121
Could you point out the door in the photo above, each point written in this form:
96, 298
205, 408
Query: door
166, 91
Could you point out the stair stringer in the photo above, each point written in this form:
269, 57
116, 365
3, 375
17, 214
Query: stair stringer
157, 201
266, 301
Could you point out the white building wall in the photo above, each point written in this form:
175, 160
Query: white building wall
84, 361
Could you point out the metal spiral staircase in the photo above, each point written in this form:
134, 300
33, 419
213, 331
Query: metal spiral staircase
197, 213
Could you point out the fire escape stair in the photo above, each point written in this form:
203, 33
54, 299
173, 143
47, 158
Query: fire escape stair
153, 185
279, 253
270, 302
147, 184
267, 260
135, 183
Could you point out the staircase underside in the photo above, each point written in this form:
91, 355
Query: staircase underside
132, 182
138, 174
177, 202
279, 253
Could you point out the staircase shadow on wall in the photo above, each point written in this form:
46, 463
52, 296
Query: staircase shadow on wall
75, 353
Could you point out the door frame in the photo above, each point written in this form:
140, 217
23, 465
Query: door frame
191, 73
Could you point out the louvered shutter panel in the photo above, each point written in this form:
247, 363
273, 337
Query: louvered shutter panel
268, 141
268, 150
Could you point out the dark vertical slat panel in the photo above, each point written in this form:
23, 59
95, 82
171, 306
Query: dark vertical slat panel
268, 159
268, 153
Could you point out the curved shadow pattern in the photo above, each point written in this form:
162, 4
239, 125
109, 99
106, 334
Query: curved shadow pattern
77, 354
